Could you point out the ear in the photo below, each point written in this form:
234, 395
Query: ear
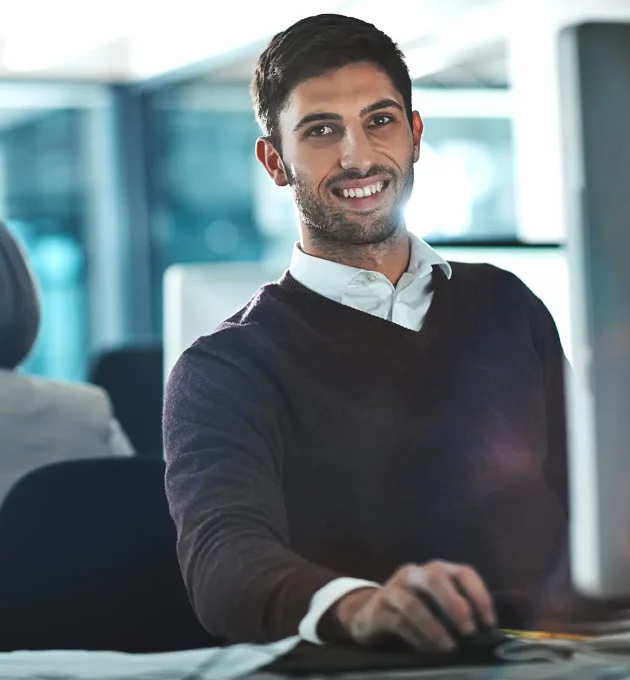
416, 130
270, 158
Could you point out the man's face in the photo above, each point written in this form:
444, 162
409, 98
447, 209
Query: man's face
348, 153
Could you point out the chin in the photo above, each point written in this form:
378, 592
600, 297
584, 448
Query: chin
364, 235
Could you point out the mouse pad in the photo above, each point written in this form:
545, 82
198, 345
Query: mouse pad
307, 658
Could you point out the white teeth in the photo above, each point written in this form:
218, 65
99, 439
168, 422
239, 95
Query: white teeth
365, 191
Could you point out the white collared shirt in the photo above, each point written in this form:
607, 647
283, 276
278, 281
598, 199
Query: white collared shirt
406, 304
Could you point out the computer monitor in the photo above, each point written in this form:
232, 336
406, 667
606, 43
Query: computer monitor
595, 81
198, 297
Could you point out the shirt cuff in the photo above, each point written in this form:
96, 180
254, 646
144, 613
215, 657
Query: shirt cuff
323, 600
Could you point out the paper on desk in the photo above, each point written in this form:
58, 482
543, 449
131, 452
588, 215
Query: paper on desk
543, 646
221, 663
618, 643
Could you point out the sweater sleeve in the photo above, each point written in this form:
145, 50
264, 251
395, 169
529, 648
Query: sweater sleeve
224, 446
555, 366
561, 607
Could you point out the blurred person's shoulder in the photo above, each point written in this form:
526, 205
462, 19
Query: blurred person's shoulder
73, 402
47, 421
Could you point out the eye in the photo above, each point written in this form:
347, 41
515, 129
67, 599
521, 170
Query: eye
381, 119
320, 131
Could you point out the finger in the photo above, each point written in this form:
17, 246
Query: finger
435, 582
473, 587
416, 613
389, 622
409, 633
443, 591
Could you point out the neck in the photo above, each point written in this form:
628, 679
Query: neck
390, 257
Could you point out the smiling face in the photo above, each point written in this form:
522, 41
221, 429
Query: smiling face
347, 153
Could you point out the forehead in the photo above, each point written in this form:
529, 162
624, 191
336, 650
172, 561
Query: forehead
344, 91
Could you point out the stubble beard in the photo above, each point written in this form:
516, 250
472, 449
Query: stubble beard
330, 225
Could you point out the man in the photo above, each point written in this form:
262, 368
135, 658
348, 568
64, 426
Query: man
375, 445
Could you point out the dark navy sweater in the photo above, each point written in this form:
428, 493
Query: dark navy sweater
306, 440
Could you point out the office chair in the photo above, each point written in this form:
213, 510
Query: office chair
88, 561
133, 378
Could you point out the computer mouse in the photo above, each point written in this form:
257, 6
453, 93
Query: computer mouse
484, 641
482, 644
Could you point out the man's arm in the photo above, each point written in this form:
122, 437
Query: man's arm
561, 606
554, 363
224, 444
558, 603
224, 453
324, 602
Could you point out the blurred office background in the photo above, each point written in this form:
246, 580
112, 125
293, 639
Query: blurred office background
127, 138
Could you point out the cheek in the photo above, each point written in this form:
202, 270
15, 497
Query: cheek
398, 148
315, 170
393, 152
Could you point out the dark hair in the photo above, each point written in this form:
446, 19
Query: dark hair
19, 302
312, 47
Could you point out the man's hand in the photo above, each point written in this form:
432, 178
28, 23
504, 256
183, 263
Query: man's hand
404, 608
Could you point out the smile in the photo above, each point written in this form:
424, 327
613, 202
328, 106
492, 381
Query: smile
365, 191
362, 197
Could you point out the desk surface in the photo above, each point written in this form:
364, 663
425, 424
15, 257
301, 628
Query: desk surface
219, 663
245, 661
578, 668
581, 667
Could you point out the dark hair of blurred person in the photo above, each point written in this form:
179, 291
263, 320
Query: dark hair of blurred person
42, 421
19, 303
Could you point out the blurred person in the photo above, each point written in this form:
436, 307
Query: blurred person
42, 421
375, 445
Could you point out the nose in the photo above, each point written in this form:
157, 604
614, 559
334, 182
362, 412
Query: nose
356, 151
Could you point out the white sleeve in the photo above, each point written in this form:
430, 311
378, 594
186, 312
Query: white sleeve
118, 441
323, 600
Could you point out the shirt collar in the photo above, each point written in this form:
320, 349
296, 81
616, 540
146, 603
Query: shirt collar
422, 255
331, 278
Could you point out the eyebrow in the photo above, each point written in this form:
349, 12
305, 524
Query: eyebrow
323, 116
381, 104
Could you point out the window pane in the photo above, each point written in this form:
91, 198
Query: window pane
464, 181
44, 186
201, 179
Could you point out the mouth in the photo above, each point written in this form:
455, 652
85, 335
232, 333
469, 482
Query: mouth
362, 198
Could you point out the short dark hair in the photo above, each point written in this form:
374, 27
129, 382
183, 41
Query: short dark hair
313, 47
19, 302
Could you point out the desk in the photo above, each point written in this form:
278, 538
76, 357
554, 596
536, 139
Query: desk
245, 661
218, 663
581, 667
